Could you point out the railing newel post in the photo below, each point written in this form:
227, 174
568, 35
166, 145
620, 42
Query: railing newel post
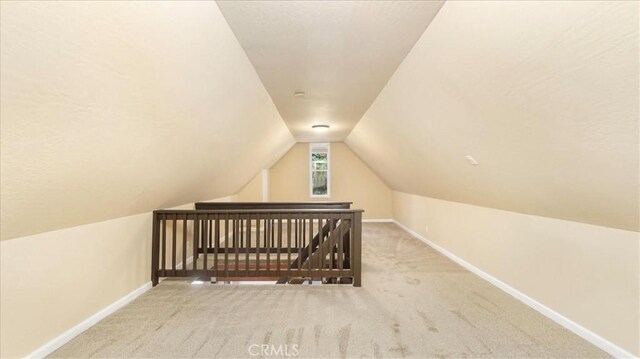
356, 250
155, 231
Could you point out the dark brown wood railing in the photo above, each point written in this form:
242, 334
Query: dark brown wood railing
285, 245
272, 205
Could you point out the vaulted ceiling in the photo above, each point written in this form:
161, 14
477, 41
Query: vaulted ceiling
339, 53
116, 108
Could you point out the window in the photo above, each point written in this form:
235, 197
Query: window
320, 175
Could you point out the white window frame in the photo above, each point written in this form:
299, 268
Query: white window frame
321, 146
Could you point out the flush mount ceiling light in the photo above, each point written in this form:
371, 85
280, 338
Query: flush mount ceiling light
320, 128
299, 94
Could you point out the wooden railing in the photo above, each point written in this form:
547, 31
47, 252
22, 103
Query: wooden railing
272, 205
285, 245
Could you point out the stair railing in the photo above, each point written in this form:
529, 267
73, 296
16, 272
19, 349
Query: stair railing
278, 244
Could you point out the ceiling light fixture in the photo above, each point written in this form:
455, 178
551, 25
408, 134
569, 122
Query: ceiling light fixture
320, 128
299, 94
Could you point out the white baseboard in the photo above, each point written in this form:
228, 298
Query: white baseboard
576, 328
382, 220
65, 337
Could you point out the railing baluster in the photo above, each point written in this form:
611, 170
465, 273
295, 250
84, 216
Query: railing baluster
310, 246
237, 233
240, 232
174, 246
334, 244
184, 245
211, 235
247, 245
196, 244
273, 236
210, 226
296, 233
340, 248
226, 244
216, 245
302, 243
279, 242
347, 241
205, 243
320, 244
288, 245
267, 241
258, 224
164, 244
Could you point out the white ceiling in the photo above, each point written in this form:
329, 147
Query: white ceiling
340, 53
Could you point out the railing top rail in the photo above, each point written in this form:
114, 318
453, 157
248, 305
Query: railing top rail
252, 211
272, 205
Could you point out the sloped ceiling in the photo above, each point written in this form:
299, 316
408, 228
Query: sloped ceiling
543, 94
340, 53
115, 108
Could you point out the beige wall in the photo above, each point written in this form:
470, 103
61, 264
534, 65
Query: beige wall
589, 274
50, 282
544, 94
351, 180
115, 108
254, 190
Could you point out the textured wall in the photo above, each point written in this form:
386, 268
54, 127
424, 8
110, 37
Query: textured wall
253, 191
351, 180
50, 282
111, 109
544, 94
587, 273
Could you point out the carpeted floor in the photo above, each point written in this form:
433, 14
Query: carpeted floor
414, 302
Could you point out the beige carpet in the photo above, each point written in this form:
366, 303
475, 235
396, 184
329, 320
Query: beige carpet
414, 302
